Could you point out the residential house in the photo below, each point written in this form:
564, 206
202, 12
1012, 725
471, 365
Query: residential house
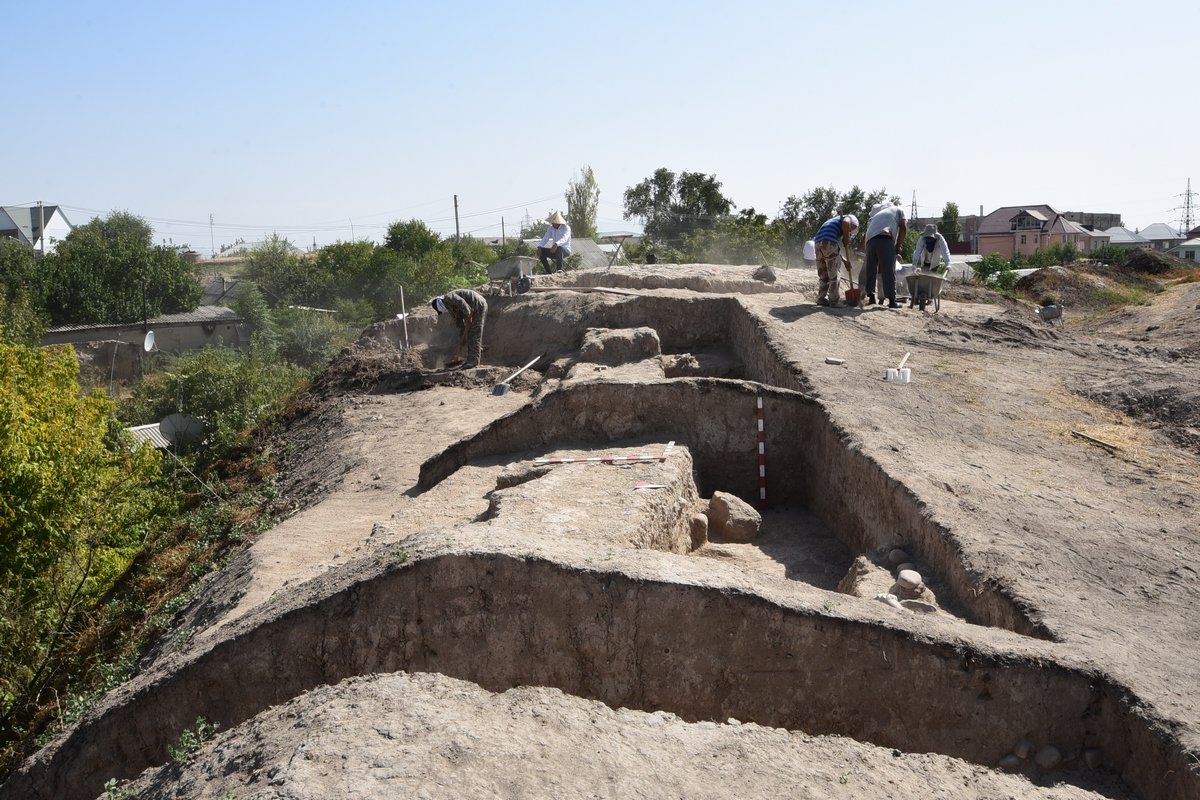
1162, 236
38, 227
1027, 229
1189, 249
1127, 239
1094, 221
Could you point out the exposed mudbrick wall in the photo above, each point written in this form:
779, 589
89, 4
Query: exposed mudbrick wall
805, 452
701, 652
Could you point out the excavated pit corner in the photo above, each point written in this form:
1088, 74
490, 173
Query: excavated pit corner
648, 631
805, 451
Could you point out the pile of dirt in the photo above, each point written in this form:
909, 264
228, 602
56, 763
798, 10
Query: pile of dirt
1150, 262
366, 364
1091, 287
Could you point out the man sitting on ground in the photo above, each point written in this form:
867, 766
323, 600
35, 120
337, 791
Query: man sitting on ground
555, 243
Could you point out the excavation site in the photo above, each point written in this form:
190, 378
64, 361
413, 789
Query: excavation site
700, 546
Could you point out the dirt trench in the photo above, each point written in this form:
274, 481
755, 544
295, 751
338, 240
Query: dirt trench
653, 631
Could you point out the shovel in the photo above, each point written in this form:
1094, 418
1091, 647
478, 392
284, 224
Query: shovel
503, 387
853, 296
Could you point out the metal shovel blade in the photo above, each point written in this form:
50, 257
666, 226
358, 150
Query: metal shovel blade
499, 389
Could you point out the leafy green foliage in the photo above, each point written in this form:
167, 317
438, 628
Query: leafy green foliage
950, 227
284, 274
800, 217
1111, 254
412, 239
257, 317
76, 504
109, 271
672, 207
1057, 253
309, 339
743, 239
228, 390
990, 265
583, 203
191, 740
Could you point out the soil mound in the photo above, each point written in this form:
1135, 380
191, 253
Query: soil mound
1092, 287
1149, 262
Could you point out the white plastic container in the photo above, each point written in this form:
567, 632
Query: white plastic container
810, 251
898, 375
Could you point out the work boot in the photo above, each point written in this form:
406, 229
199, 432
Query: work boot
823, 301
892, 303
470, 365
870, 299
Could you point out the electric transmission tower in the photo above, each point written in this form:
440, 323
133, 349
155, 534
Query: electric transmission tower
1187, 218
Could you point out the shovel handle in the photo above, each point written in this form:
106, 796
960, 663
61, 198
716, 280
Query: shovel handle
522, 369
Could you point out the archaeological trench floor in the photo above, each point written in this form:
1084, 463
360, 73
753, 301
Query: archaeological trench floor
444, 616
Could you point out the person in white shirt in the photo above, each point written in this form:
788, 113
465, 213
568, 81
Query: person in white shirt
931, 249
555, 243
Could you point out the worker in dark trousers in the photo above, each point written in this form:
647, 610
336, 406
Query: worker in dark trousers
469, 309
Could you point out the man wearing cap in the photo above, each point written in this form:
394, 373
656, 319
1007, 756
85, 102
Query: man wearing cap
469, 309
555, 243
832, 244
932, 254
885, 239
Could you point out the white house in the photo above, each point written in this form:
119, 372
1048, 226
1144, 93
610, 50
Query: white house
25, 225
1162, 236
1189, 250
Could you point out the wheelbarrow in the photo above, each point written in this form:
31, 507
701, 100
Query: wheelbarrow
513, 275
925, 288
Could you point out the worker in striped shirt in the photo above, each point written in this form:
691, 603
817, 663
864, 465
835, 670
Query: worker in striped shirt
833, 250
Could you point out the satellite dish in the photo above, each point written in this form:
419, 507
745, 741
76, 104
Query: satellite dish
148, 345
181, 429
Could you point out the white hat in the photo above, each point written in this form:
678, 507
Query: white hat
853, 220
875, 209
557, 219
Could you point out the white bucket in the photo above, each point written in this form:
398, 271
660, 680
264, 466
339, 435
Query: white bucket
810, 251
898, 375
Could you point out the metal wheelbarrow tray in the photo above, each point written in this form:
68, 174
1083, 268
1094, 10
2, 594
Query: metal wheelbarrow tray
514, 272
925, 288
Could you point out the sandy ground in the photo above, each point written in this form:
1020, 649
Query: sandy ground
1100, 542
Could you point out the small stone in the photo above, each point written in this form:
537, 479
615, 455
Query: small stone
698, 524
765, 274
909, 578
1093, 757
1048, 757
1010, 762
906, 565
897, 556
919, 606
890, 600
1023, 749
834, 361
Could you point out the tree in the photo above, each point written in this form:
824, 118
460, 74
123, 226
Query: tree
801, 217
22, 291
108, 270
672, 207
412, 238
951, 228
742, 239
77, 502
583, 203
252, 307
284, 274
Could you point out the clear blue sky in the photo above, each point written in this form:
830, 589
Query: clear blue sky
309, 118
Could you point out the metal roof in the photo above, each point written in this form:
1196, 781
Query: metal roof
998, 221
202, 314
1119, 235
149, 434
1159, 231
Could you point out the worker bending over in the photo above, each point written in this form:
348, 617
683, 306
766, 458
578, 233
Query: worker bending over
469, 309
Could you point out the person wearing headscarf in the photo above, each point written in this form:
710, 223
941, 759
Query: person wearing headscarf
469, 310
555, 243
932, 254
832, 244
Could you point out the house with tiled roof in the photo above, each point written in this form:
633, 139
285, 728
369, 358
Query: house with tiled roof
1027, 229
1189, 249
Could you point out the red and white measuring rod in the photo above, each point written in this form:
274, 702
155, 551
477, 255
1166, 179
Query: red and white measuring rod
608, 459
762, 456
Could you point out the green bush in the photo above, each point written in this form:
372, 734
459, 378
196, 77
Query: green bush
988, 266
1110, 254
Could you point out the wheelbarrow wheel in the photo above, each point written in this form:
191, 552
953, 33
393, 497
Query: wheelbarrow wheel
922, 303
524, 285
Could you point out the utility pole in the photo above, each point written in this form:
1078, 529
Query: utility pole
457, 237
456, 231
503, 238
212, 242
42, 227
